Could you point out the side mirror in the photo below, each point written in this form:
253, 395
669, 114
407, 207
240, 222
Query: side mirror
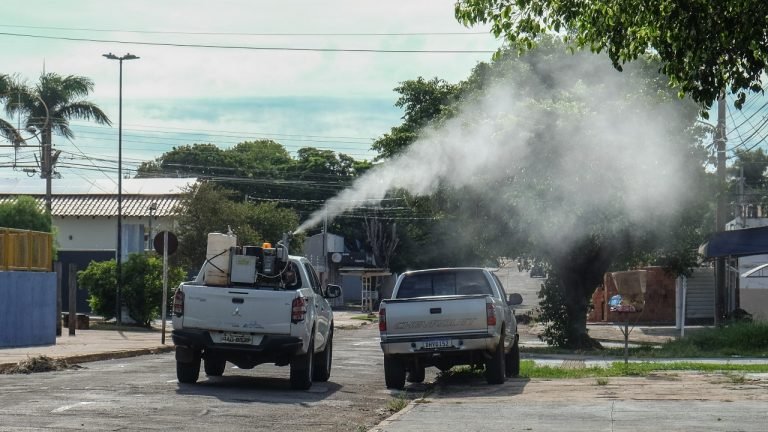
332, 291
514, 299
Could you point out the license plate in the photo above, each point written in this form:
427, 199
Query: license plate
238, 338
437, 343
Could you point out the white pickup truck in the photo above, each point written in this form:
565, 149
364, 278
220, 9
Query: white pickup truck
448, 317
282, 317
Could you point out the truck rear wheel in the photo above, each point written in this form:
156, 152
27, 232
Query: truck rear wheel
512, 362
494, 367
187, 372
301, 368
394, 372
214, 366
322, 366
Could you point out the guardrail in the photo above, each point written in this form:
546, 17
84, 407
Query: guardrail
23, 250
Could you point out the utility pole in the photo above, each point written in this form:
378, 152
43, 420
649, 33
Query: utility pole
720, 214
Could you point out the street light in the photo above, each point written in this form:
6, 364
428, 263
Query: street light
119, 185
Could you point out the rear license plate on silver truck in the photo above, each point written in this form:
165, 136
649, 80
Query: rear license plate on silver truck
436, 343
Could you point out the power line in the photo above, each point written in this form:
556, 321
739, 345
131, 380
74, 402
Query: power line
245, 34
252, 48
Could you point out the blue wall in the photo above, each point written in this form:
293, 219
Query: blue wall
27, 309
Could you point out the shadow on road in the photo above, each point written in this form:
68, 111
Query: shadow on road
473, 384
245, 389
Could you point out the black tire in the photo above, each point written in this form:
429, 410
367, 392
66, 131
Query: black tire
394, 372
512, 362
416, 374
322, 367
214, 366
187, 373
494, 367
301, 368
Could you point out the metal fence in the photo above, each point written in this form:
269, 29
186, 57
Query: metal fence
22, 250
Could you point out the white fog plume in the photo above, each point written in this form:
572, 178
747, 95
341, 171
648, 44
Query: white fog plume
604, 152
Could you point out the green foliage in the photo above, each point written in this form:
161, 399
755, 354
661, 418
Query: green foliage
553, 313
100, 279
703, 47
424, 102
142, 287
24, 213
212, 208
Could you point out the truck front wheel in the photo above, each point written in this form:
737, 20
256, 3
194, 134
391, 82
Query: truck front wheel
322, 366
512, 362
301, 368
394, 372
494, 367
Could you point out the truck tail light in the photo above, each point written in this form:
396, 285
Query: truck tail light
178, 303
382, 319
298, 309
490, 314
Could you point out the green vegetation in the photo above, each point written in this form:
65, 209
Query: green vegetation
142, 286
398, 402
528, 369
601, 381
23, 212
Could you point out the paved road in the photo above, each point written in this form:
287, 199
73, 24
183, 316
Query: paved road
142, 393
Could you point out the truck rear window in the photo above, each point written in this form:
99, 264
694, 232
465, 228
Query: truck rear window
462, 282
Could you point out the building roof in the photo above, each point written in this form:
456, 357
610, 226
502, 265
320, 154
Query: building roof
99, 198
736, 243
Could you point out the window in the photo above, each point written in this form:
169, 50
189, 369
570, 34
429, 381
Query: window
314, 280
452, 282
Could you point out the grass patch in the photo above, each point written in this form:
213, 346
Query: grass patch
398, 402
618, 369
601, 381
365, 317
744, 339
528, 369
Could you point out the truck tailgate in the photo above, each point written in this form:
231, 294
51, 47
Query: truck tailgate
238, 309
436, 315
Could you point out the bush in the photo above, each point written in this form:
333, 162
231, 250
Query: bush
142, 288
99, 278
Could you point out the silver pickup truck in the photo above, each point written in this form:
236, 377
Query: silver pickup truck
448, 317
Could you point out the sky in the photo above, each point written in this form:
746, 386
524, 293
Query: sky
324, 87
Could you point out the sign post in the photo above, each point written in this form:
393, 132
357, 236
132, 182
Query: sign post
167, 243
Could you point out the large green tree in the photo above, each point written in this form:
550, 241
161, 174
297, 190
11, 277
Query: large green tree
704, 46
556, 201
50, 104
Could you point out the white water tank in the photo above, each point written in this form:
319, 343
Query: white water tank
217, 258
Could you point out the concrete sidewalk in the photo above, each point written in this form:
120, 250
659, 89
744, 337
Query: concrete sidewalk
93, 345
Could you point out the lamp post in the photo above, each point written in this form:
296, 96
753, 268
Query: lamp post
119, 185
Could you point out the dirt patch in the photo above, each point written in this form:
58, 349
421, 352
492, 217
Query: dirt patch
38, 364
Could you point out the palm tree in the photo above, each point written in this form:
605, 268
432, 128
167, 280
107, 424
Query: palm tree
7, 130
51, 104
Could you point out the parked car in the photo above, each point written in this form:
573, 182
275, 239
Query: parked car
448, 317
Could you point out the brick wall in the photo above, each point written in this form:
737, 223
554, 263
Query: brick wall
659, 299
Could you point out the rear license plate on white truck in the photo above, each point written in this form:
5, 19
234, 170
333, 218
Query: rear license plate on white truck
436, 343
238, 338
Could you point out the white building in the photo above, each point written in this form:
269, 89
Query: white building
84, 214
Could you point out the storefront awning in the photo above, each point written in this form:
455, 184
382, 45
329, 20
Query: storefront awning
736, 243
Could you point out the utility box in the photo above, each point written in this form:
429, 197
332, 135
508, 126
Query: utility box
243, 269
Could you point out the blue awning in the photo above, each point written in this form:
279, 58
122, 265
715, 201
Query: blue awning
736, 243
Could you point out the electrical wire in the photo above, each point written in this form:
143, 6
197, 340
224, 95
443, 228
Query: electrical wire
250, 48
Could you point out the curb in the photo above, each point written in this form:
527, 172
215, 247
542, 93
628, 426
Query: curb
111, 355
394, 417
